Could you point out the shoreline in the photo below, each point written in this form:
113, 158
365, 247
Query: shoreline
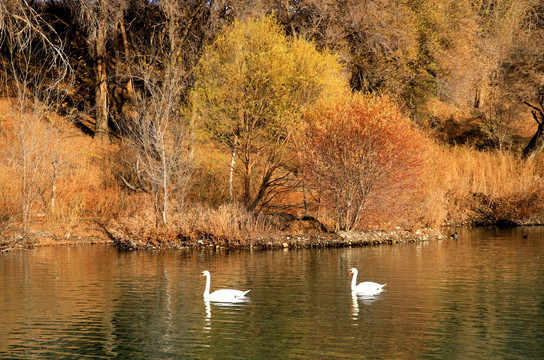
280, 240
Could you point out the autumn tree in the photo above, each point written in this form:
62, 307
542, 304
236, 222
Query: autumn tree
362, 156
251, 84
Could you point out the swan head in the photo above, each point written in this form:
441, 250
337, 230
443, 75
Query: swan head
205, 273
352, 271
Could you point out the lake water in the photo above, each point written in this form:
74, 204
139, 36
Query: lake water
480, 297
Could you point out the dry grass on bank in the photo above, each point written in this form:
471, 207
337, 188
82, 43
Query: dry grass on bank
470, 186
225, 224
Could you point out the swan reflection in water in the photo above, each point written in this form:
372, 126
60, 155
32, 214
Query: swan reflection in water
364, 299
208, 317
229, 304
233, 305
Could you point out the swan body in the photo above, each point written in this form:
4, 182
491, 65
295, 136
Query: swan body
223, 295
367, 288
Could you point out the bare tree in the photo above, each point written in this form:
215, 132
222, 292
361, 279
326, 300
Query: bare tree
157, 145
157, 148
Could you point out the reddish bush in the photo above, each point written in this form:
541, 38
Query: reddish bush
363, 158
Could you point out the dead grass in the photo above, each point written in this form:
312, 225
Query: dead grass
227, 222
224, 225
473, 186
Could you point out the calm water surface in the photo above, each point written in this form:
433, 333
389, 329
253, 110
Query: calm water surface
480, 297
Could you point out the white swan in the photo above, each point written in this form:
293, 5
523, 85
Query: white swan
367, 288
223, 295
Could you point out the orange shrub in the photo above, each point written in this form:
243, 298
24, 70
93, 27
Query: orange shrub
363, 158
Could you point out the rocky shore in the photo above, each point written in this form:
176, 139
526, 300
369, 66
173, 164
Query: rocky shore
297, 236
291, 241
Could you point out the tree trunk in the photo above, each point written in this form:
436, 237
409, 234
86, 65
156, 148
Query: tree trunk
304, 198
130, 87
231, 173
265, 184
247, 186
246, 178
101, 92
165, 177
536, 144
54, 164
476, 103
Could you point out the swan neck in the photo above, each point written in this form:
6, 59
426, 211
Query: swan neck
354, 280
207, 288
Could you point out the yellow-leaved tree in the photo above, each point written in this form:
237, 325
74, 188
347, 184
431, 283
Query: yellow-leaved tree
252, 83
